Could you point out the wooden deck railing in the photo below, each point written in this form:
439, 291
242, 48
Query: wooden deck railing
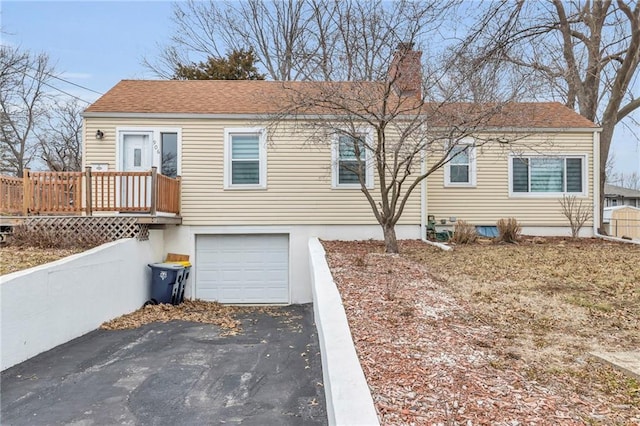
53, 192
89, 192
11, 195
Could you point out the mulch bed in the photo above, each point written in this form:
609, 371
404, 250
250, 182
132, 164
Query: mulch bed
430, 360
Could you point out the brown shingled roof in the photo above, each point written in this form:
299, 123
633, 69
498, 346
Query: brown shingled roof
271, 97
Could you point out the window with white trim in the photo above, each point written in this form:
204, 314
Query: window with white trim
352, 160
460, 169
547, 175
245, 158
169, 154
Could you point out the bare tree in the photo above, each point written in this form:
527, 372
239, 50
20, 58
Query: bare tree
23, 78
625, 180
295, 39
60, 141
274, 30
577, 213
383, 130
586, 52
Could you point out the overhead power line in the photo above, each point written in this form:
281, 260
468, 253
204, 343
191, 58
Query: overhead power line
64, 81
74, 84
57, 88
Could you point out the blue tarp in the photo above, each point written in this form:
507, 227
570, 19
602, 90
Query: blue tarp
487, 231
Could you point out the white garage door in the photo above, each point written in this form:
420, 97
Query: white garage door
242, 268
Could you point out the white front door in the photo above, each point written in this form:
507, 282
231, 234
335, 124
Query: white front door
136, 152
136, 157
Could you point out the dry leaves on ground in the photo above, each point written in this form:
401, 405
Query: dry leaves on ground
224, 316
189, 310
14, 259
432, 355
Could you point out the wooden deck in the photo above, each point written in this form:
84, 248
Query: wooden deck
150, 197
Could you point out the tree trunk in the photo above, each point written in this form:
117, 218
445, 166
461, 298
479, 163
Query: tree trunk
390, 241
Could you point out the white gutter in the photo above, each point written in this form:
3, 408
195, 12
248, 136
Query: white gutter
423, 207
272, 116
596, 193
596, 182
423, 197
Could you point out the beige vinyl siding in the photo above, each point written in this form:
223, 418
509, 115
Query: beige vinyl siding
490, 200
298, 177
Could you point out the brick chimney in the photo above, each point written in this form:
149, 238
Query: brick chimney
406, 71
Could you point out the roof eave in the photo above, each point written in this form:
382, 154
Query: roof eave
267, 116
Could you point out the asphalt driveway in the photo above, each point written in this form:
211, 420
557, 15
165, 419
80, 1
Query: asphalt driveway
175, 373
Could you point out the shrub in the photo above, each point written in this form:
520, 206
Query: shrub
575, 212
464, 233
508, 230
23, 236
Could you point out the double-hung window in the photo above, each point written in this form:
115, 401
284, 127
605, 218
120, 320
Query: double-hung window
547, 175
352, 160
245, 158
461, 167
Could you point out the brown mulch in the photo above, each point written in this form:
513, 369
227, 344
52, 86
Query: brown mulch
432, 356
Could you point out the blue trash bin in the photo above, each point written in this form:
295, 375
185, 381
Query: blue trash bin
178, 294
165, 283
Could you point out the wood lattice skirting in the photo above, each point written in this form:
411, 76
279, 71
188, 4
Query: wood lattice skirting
111, 227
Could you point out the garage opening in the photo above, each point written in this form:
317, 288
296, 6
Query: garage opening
247, 268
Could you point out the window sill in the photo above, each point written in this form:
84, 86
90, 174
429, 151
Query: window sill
351, 187
460, 185
245, 188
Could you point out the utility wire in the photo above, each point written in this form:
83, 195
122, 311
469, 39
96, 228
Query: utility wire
61, 79
74, 84
64, 80
62, 91
56, 88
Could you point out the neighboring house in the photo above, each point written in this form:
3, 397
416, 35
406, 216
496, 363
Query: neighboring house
252, 195
619, 196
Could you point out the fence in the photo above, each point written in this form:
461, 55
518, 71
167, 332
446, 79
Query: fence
11, 195
42, 193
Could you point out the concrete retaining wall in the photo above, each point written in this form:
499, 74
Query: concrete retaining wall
45, 306
348, 397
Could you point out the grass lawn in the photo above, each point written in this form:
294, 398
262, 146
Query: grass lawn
525, 314
560, 296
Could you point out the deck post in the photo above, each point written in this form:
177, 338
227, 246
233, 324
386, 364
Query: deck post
25, 192
179, 201
154, 190
88, 191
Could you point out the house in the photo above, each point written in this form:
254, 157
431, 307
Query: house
252, 194
619, 196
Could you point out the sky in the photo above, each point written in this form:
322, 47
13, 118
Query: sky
95, 44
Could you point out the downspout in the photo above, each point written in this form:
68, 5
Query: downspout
423, 197
423, 206
596, 182
596, 192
